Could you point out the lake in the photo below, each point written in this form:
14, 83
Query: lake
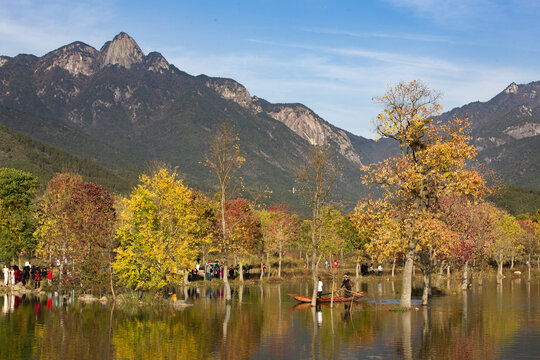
488, 321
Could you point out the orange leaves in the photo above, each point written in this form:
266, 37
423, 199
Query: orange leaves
432, 165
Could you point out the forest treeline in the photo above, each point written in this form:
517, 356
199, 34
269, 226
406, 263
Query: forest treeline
431, 213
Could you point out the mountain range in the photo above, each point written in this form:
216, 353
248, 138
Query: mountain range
122, 111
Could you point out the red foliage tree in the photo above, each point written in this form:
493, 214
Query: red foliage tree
244, 230
77, 231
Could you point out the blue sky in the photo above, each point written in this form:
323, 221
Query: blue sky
332, 56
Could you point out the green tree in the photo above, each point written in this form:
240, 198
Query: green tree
17, 221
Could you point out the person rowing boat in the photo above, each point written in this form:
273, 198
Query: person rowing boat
346, 283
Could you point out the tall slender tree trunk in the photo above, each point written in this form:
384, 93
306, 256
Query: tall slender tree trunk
529, 267
279, 262
357, 268
240, 270
114, 294
464, 277
448, 271
333, 282
427, 285
394, 266
228, 297
439, 278
512, 263
314, 268
405, 301
268, 261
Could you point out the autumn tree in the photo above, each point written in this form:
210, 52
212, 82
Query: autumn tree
382, 225
431, 163
224, 159
472, 223
17, 222
435, 243
244, 227
283, 226
316, 179
76, 230
159, 232
353, 243
530, 240
505, 234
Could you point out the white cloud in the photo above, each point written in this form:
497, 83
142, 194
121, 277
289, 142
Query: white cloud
338, 83
41, 26
380, 35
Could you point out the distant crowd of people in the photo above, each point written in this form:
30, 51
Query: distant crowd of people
214, 270
28, 275
365, 270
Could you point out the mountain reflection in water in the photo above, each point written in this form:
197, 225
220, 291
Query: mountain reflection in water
262, 322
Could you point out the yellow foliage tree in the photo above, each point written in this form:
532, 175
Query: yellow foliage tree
159, 232
431, 164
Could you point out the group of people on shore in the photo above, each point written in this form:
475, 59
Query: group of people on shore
29, 274
214, 270
365, 270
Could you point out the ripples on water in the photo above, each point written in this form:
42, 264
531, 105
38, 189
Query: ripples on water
486, 322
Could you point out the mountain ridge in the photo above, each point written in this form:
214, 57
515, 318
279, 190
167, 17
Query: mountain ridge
137, 109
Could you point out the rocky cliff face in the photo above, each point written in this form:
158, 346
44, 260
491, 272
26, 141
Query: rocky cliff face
79, 58
122, 51
76, 58
313, 128
297, 117
506, 132
231, 90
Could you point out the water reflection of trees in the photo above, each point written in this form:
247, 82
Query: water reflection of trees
475, 331
260, 323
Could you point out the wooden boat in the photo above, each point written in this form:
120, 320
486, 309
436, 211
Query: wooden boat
307, 299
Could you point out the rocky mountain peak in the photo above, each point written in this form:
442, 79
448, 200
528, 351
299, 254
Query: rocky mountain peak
232, 90
122, 51
3, 60
511, 89
156, 62
76, 58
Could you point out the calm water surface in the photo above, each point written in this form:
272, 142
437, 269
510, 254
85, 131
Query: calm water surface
486, 322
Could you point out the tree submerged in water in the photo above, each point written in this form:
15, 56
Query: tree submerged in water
431, 165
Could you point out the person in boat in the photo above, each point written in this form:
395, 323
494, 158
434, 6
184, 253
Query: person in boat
319, 288
346, 284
